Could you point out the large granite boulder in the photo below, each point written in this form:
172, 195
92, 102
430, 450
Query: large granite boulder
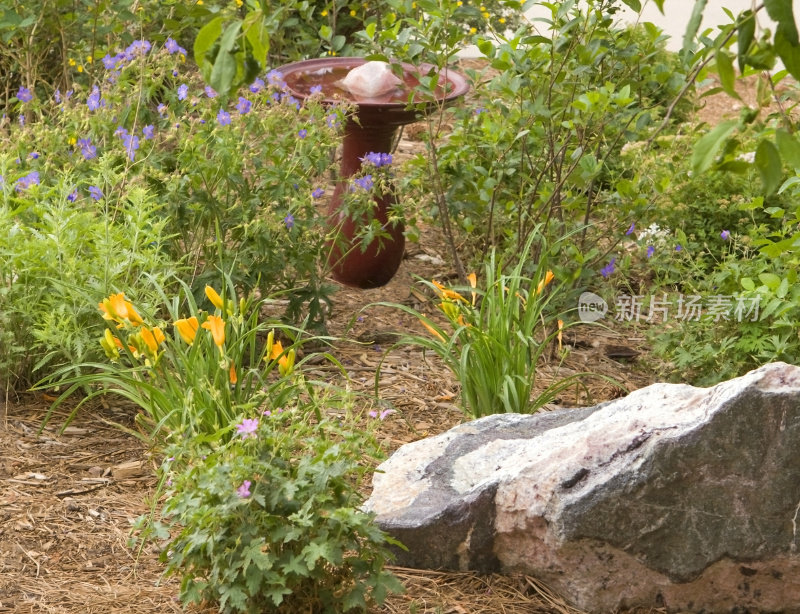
677, 497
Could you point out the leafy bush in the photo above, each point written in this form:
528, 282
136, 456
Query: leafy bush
269, 522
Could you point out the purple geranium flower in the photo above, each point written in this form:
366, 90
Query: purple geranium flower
94, 101
223, 117
247, 428
631, 229
678, 248
244, 490
725, 235
73, 196
365, 182
275, 77
183, 91
317, 193
316, 89
608, 269
650, 251
303, 133
243, 106
210, 91
162, 110
24, 94
95, 192
23, 183
172, 46
289, 221
131, 144
257, 85
377, 159
148, 131
88, 150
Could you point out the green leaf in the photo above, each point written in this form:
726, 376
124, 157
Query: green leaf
225, 65
780, 11
206, 38
789, 148
727, 77
706, 149
770, 280
660, 5
257, 36
768, 163
787, 51
691, 28
747, 283
747, 30
633, 4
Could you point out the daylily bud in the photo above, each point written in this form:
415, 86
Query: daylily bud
215, 298
548, 277
108, 345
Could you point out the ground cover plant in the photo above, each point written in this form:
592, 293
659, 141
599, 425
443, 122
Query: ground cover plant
163, 193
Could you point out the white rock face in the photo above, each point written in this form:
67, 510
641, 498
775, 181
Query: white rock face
370, 80
675, 497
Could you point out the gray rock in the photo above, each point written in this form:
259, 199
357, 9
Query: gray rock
675, 496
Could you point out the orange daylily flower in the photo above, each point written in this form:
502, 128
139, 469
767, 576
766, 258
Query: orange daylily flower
153, 338
473, 282
187, 328
232, 376
560, 335
431, 329
548, 277
216, 325
285, 361
447, 293
115, 307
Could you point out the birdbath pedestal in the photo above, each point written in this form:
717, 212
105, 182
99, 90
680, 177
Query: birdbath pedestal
373, 128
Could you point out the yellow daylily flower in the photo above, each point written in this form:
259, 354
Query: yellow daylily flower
548, 277
560, 333
216, 325
116, 308
215, 298
473, 283
187, 328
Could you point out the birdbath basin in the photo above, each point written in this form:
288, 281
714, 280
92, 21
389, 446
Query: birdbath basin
372, 128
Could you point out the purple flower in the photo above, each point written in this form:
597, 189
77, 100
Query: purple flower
725, 235
88, 150
678, 248
131, 144
57, 96
289, 221
120, 132
332, 121
257, 85
303, 133
275, 78
23, 183
162, 110
173, 47
382, 415
365, 183
316, 89
93, 101
21, 120
24, 94
631, 229
183, 91
223, 117
291, 100
608, 269
210, 91
95, 192
148, 131
377, 159
247, 428
73, 197
34, 155
650, 251
243, 106
244, 490
317, 193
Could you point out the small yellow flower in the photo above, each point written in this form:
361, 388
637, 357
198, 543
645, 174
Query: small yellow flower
216, 325
215, 298
473, 30
548, 277
459, 3
80, 68
502, 20
413, 5
72, 140
352, 12
239, 3
71, 62
187, 329
89, 59
324, 13
200, 2
485, 15
483, 9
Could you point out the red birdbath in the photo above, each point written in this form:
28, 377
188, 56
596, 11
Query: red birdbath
373, 129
